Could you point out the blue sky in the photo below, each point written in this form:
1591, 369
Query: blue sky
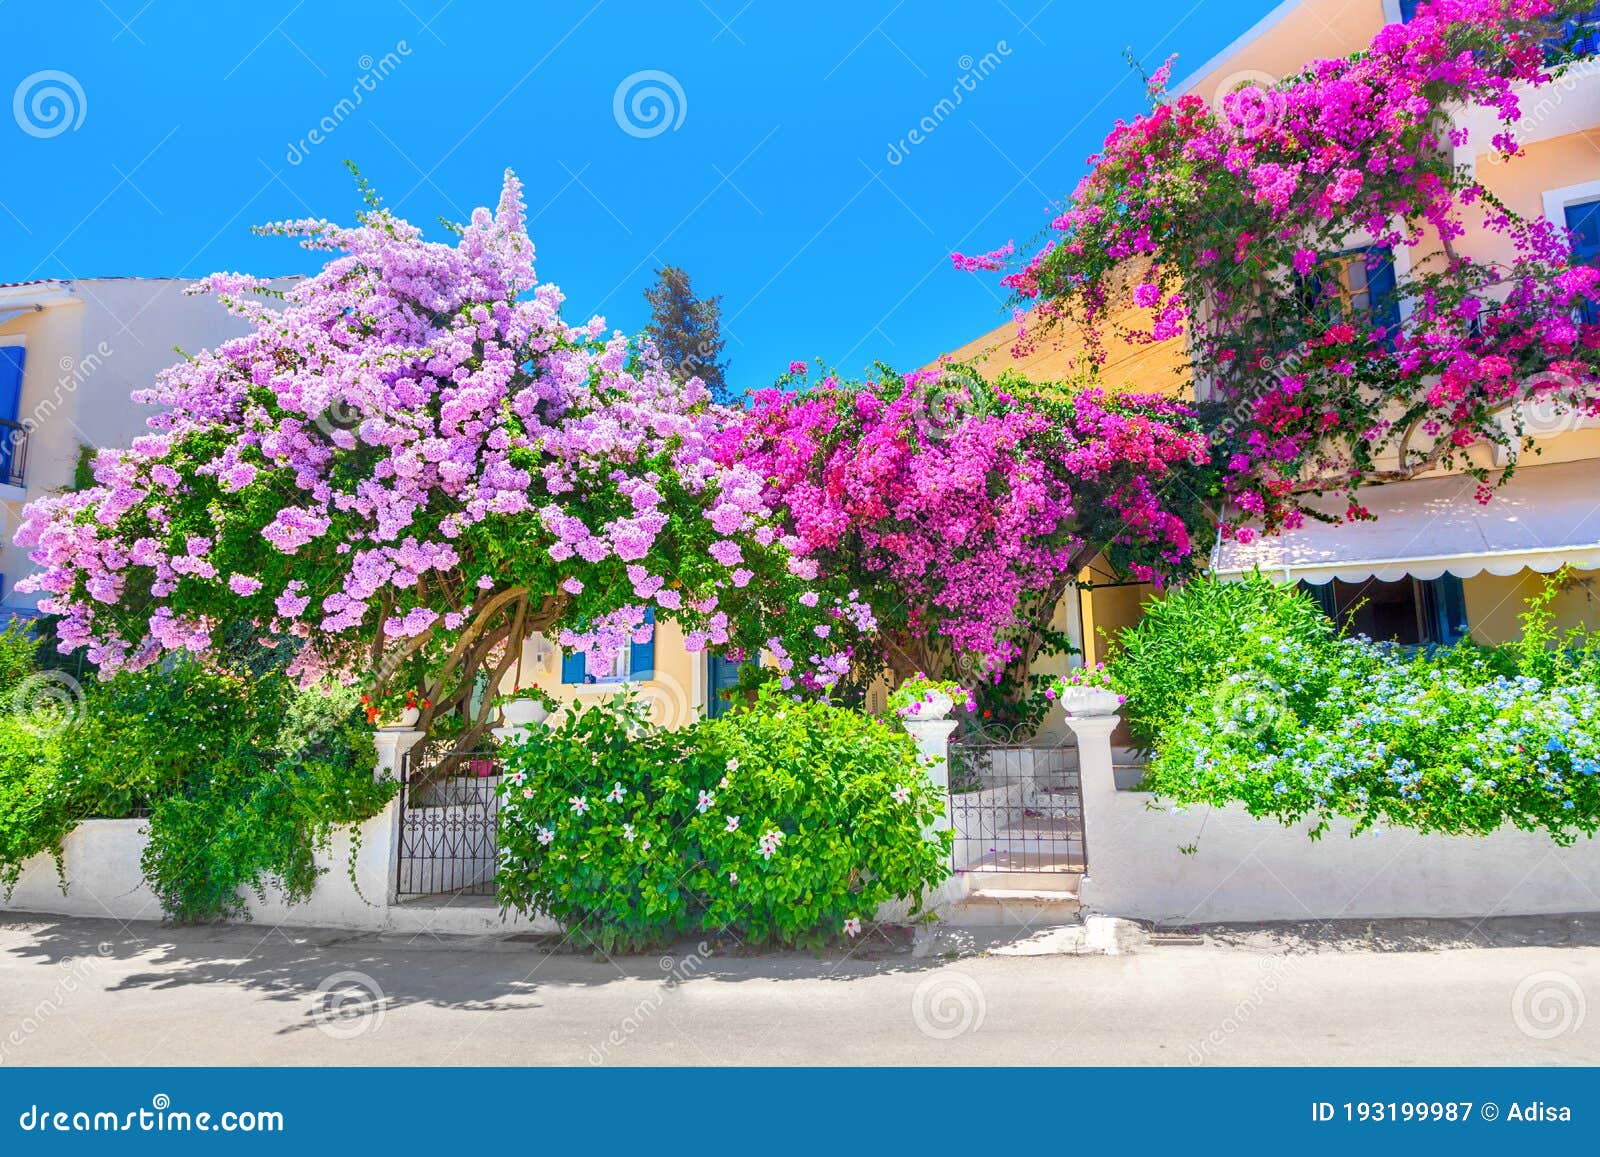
785, 177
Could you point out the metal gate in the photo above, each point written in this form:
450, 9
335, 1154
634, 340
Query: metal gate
449, 814
1016, 808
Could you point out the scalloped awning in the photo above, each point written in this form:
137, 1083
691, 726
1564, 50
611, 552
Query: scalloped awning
1544, 518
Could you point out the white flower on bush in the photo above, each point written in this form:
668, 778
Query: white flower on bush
580, 804
628, 833
852, 927
901, 794
769, 844
733, 824
733, 765
704, 803
545, 835
733, 877
527, 793
516, 778
617, 792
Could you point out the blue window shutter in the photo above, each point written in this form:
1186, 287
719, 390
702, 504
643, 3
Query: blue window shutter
12, 358
574, 667
1408, 10
1584, 221
1381, 289
642, 660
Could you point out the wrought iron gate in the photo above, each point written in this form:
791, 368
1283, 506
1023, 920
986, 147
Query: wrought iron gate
449, 813
1016, 808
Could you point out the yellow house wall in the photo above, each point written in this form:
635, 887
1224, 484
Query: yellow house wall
675, 692
1494, 603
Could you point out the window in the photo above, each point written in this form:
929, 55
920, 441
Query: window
637, 663
1359, 287
12, 434
723, 678
1412, 612
1586, 28
1583, 219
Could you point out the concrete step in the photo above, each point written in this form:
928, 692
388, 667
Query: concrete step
1032, 859
1011, 908
1045, 828
988, 880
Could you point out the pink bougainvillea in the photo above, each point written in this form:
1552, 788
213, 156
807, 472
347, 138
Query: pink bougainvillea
961, 511
409, 464
1269, 221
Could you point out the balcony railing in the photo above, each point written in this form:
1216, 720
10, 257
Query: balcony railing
13, 452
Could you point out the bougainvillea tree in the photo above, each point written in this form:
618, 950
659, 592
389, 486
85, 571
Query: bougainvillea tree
407, 467
1261, 227
962, 511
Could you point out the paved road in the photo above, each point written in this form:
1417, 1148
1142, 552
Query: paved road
90, 992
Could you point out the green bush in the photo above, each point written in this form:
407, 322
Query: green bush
779, 822
1299, 722
1177, 653
242, 779
249, 785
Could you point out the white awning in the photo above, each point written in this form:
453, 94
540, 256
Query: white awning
1544, 518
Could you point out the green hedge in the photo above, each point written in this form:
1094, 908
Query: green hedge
778, 822
1247, 693
242, 778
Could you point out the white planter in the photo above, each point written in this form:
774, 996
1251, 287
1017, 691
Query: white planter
521, 712
1089, 701
934, 706
408, 720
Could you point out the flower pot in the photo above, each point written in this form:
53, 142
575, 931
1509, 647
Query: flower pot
934, 705
521, 712
1089, 701
408, 720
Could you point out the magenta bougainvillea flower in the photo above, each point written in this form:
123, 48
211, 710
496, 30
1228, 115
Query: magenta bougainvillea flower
1272, 222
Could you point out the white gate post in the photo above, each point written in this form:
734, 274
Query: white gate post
933, 749
1097, 782
378, 870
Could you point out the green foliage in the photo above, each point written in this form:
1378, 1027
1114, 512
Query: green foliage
687, 331
250, 787
36, 805
778, 822
243, 779
19, 655
1200, 632
1298, 722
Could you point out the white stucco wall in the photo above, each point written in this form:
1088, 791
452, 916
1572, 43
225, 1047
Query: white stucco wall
1248, 869
101, 858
